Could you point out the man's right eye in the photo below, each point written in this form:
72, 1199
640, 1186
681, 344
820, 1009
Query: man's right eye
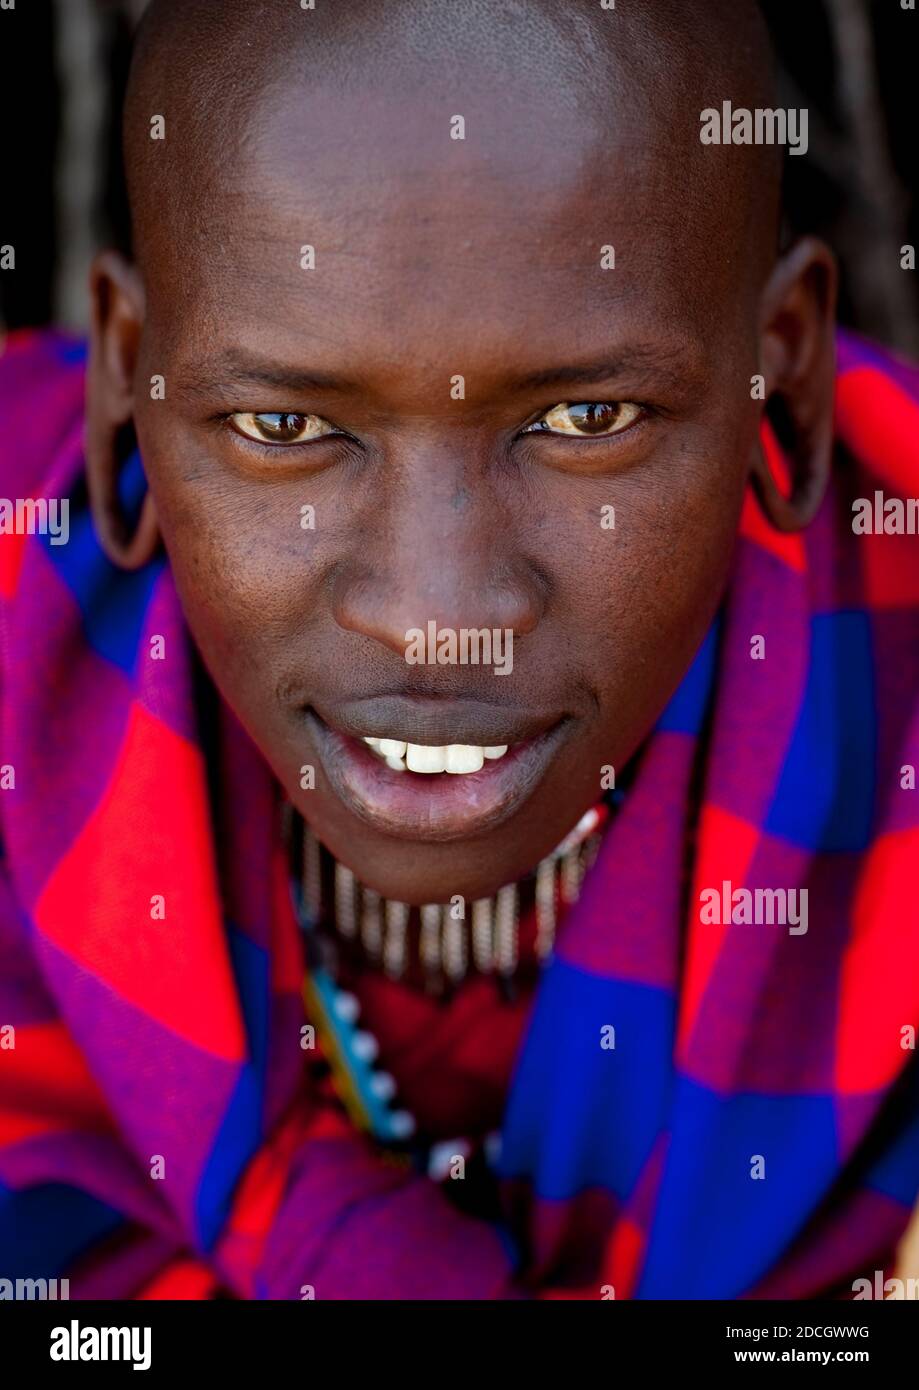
283, 427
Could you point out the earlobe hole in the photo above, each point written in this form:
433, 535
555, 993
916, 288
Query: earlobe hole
132, 481
783, 426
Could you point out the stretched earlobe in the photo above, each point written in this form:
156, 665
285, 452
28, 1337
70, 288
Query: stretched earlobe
798, 355
123, 511
125, 523
793, 506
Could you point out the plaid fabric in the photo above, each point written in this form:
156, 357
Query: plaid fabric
754, 1132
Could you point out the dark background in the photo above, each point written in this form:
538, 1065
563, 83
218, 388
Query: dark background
853, 63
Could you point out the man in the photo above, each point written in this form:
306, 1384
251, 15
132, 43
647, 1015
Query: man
463, 403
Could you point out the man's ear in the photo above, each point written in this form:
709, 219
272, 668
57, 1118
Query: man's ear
798, 362
117, 312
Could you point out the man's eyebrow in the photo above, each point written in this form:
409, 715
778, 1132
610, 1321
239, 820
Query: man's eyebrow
234, 369
666, 364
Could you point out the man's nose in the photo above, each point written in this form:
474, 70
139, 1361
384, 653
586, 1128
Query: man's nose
437, 553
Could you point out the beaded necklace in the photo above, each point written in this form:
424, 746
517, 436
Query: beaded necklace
431, 942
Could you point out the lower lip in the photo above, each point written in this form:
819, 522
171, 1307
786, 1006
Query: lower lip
432, 806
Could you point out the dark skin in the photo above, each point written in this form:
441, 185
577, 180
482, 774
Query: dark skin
436, 258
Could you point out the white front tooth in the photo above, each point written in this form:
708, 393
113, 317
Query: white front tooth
421, 759
373, 742
464, 757
396, 764
497, 752
392, 748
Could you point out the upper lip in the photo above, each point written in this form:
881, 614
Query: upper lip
434, 722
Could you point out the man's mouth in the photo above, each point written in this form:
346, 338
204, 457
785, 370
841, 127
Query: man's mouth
431, 787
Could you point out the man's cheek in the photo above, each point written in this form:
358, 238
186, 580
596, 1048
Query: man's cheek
232, 549
242, 596
242, 653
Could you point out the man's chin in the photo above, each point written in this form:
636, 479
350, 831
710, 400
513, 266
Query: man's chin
429, 872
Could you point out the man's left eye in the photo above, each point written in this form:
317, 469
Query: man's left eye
281, 427
587, 418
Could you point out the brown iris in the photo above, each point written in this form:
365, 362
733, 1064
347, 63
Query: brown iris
281, 428
593, 417
589, 418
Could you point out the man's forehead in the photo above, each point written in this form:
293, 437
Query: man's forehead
367, 319
357, 95
446, 277
429, 210
403, 264
331, 199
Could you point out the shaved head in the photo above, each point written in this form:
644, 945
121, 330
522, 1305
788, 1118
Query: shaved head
562, 83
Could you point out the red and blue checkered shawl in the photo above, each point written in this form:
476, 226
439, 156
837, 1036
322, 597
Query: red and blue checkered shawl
157, 1136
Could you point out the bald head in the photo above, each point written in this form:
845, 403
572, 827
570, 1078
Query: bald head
563, 84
